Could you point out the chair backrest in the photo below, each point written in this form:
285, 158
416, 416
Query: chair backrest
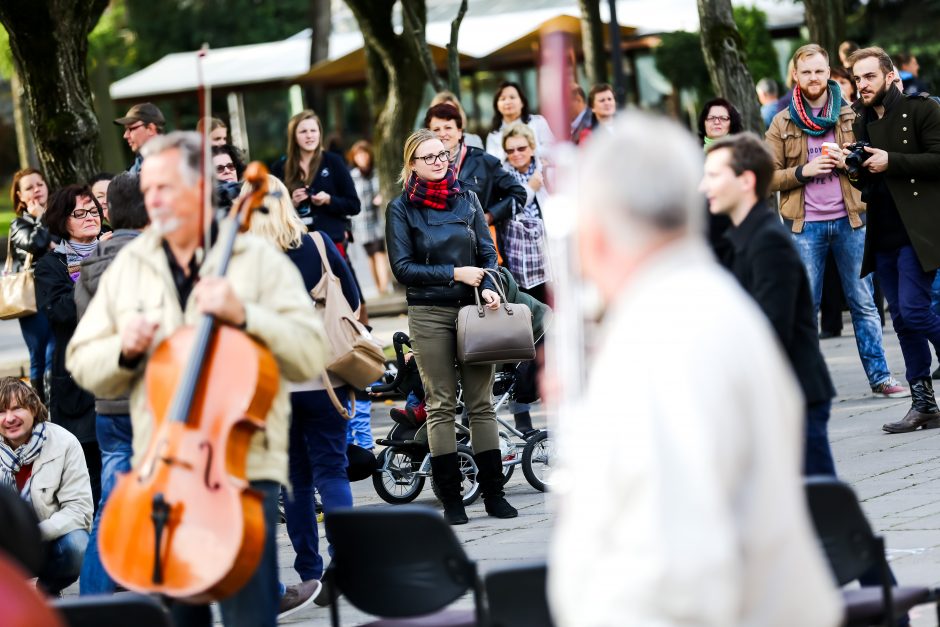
125, 608
846, 537
397, 562
516, 597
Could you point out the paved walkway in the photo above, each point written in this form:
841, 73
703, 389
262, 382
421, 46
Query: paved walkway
894, 475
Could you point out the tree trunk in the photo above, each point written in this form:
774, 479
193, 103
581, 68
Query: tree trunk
592, 42
825, 20
49, 40
724, 57
395, 83
321, 25
25, 149
453, 54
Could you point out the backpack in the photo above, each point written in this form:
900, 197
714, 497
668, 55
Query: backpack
354, 356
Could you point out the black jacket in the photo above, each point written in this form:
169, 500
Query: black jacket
910, 132
425, 245
69, 405
483, 174
27, 235
769, 268
333, 178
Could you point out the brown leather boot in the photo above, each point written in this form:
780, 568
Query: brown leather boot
924, 412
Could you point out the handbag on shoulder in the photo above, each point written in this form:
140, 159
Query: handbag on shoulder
494, 336
17, 289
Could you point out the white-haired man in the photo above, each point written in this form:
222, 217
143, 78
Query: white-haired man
697, 515
158, 284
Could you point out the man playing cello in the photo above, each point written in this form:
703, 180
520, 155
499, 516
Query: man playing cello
158, 284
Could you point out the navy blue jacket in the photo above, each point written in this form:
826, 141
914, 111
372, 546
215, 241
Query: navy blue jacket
333, 178
307, 260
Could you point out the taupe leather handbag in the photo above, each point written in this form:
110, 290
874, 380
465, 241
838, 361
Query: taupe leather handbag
494, 336
17, 290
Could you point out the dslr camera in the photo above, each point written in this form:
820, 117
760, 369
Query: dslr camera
856, 158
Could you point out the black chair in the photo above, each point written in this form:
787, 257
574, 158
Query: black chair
516, 597
403, 564
853, 550
124, 608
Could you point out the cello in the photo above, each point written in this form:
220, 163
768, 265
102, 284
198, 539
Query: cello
184, 522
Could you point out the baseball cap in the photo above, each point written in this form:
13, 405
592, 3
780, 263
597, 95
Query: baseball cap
143, 112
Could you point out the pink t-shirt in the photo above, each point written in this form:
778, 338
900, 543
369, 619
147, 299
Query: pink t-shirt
822, 196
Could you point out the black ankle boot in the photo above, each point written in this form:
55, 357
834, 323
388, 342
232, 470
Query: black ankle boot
924, 412
523, 422
445, 472
490, 477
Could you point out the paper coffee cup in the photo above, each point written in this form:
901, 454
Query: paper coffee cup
831, 149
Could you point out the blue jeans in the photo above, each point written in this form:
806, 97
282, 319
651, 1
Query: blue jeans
359, 425
907, 289
847, 245
37, 333
317, 459
817, 458
63, 561
256, 604
935, 294
114, 438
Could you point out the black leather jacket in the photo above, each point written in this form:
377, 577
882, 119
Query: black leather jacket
425, 245
27, 235
483, 174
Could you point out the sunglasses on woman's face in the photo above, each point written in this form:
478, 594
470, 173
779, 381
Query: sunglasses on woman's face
520, 150
220, 169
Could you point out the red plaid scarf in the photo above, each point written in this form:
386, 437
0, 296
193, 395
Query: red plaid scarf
432, 194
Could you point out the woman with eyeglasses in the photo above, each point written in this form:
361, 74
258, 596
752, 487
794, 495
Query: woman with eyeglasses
28, 236
439, 246
717, 119
75, 216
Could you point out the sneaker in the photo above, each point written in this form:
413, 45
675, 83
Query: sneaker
890, 388
297, 597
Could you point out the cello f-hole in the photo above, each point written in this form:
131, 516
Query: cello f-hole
212, 485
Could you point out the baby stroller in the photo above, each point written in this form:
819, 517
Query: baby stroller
405, 464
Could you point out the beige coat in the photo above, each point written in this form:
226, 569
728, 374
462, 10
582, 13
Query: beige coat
279, 313
60, 489
787, 143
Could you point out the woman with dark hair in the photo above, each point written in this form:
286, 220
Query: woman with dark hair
321, 188
717, 119
227, 163
510, 105
368, 226
28, 236
844, 78
75, 216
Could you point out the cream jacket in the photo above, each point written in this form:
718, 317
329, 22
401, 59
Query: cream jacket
279, 313
696, 516
60, 489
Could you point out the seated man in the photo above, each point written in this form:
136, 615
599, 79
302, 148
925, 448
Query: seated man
46, 465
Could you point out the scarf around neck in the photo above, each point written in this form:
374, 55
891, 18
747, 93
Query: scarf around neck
75, 253
432, 194
522, 178
802, 114
12, 460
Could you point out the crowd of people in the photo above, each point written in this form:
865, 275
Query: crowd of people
850, 156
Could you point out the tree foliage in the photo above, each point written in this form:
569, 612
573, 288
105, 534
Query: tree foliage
758, 45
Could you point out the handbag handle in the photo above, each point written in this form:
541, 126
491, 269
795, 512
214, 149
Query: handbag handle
8, 264
499, 290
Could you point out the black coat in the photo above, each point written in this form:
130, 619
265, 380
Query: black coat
910, 132
70, 406
333, 178
483, 174
27, 235
765, 261
425, 245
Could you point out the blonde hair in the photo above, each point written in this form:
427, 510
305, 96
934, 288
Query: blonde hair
214, 123
518, 129
450, 98
411, 147
807, 51
280, 225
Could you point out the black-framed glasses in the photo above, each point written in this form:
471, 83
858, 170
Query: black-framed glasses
718, 118
432, 159
133, 127
81, 214
520, 149
220, 169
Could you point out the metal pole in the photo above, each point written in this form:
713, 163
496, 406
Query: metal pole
616, 55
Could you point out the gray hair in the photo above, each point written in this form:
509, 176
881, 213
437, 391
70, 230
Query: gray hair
188, 143
641, 179
767, 86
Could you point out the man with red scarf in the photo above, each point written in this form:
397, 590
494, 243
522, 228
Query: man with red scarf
824, 208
